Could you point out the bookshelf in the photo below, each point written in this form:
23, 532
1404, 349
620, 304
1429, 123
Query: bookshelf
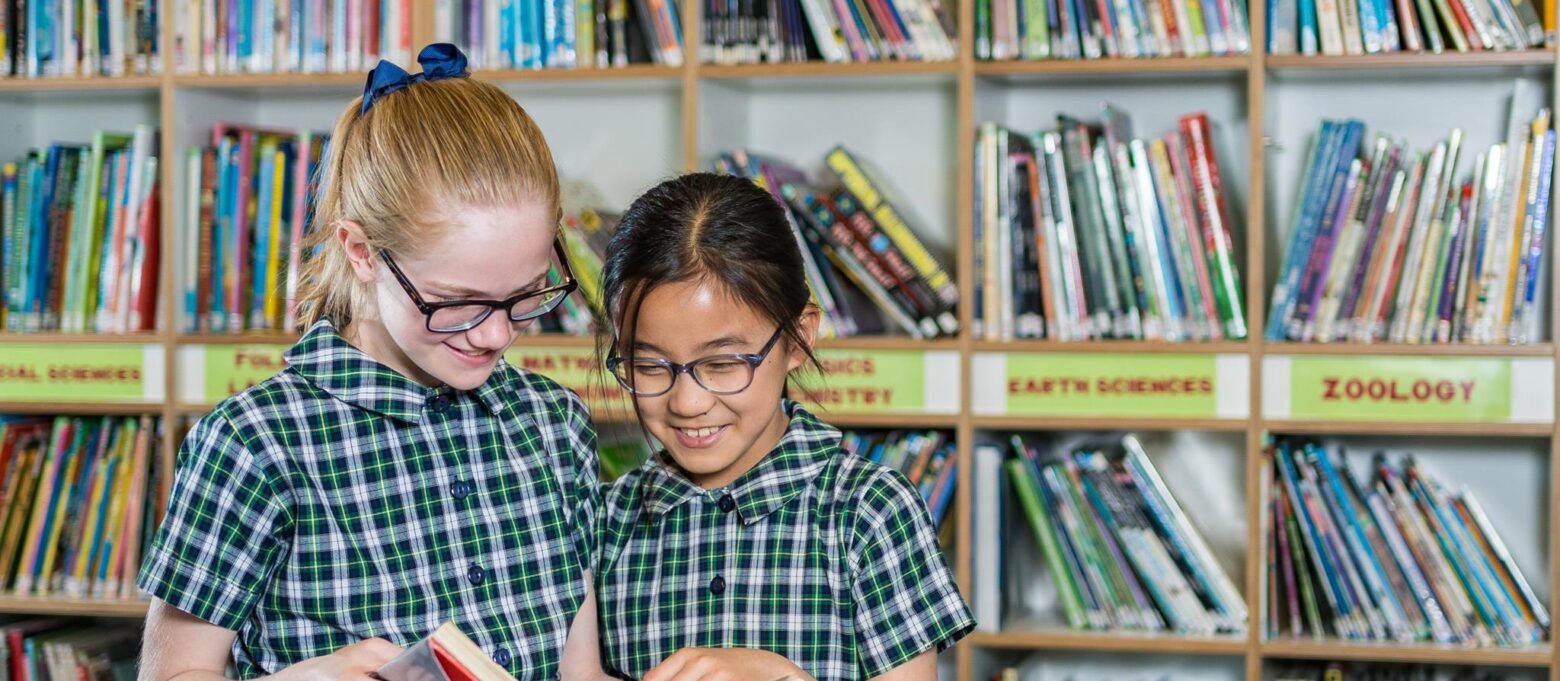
624, 129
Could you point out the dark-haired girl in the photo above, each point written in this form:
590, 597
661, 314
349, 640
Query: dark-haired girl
752, 546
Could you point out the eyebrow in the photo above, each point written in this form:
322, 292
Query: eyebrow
716, 344
463, 292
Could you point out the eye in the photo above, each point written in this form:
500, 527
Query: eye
649, 369
723, 366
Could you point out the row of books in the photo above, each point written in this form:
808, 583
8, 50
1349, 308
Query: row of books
63, 649
1376, 26
1340, 671
1390, 555
1118, 547
248, 202
584, 231
80, 236
1086, 232
858, 246
832, 30
78, 504
71, 38
1389, 244
929, 459
289, 36
501, 34
1095, 29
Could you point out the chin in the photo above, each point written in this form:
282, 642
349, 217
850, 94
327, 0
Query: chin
702, 465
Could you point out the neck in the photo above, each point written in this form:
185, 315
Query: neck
766, 443
374, 340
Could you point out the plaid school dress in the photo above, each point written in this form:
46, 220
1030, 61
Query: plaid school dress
815, 554
340, 500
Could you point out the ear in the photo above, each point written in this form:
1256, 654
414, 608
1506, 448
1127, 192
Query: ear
359, 254
807, 328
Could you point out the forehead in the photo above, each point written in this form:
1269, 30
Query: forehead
684, 315
486, 248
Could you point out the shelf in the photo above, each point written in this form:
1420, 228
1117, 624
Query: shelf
1046, 67
270, 80
1404, 350
258, 338
630, 72
60, 605
899, 421
1407, 428
81, 409
86, 84
1535, 656
1128, 347
107, 338
1064, 639
1411, 60
1090, 423
827, 70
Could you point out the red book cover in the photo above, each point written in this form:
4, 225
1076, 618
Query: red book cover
1172, 29
143, 313
208, 203
452, 667
1194, 234
371, 33
1474, 43
885, 19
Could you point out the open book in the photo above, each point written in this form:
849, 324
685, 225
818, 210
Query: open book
446, 655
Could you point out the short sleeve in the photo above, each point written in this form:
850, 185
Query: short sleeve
221, 539
906, 600
585, 490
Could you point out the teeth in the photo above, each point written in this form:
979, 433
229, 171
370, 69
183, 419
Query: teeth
699, 432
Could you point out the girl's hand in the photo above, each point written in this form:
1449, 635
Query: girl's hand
725, 664
356, 662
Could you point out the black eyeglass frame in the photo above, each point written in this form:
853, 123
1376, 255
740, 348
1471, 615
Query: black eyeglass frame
753, 360
507, 305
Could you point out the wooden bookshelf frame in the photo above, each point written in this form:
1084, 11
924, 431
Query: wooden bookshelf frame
968, 74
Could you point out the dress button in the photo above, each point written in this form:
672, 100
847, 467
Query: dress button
718, 585
439, 404
726, 503
476, 574
501, 656
461, 489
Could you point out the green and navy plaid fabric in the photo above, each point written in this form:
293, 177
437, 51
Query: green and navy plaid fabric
341, 500
816, 554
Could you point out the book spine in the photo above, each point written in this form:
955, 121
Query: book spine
889, 219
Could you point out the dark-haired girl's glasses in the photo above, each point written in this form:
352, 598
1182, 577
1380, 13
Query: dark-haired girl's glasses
719, 374
454, 316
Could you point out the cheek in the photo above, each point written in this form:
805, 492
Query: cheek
402, 320
763, 394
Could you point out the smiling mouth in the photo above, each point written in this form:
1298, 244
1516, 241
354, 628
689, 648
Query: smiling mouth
699, 437
470, 357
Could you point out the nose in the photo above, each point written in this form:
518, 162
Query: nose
494, 333
688, 398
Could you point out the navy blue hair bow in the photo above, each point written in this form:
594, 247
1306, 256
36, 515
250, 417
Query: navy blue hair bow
439, 61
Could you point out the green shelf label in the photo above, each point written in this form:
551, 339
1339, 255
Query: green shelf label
575, 368
79, 373
232, 369
854, 382
1102, 385
882, 382
1409, 389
